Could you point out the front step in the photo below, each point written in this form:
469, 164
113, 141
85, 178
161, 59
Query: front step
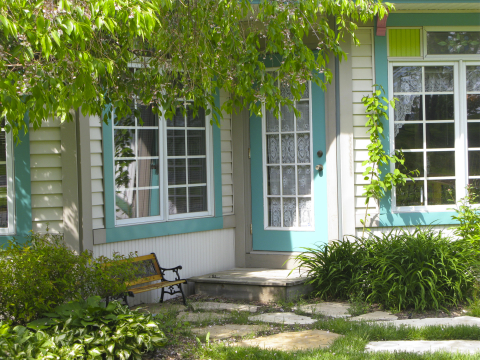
254, 284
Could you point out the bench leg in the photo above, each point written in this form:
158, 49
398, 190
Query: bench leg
163, 293
107, 300
181, 290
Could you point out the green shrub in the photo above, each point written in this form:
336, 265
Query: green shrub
335, 269
422, 269
83, 330
468, 218
43, 273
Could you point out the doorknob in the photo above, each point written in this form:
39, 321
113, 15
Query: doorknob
319, 167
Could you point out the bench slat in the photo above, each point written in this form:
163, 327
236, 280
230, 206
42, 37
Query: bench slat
156, 286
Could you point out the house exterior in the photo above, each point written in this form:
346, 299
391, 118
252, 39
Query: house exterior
255, 191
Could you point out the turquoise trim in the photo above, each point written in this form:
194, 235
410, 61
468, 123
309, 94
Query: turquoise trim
23, 190
272, 240
387, 217
155, 229
444, 19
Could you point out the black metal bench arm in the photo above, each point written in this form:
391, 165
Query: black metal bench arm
174, 270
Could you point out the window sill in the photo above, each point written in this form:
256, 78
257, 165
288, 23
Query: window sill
156, 229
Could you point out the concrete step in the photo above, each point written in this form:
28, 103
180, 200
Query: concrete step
253, 284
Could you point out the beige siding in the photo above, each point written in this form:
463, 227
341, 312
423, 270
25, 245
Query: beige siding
227, 155
97, 172
362, 82
199, 253
46, 177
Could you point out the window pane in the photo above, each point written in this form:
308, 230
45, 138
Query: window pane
272, 122
475, 189
124, 143
410, 194
407, 79
125, 204
473, 107
441, 163
148, 173
303, 121
287, 118
148, 117
125, 171
273, 181
178, 119
288, 149
147, 142
304, 180
408, 107
473, 78
453, 42
274, 212
176, 142
128, 120
148, 202
438, 192
473, 163
3, 202
439, 78
197, 199
177, 201
303, 148
305, 212
408, 136
289, 212
196, 142
177, 173
273, 149
197, 171
440, 136
439, 107
197, 121
413, 161
289, 181
473, 135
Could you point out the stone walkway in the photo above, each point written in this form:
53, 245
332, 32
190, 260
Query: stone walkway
310, 339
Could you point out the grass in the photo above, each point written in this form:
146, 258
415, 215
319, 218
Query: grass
185, 345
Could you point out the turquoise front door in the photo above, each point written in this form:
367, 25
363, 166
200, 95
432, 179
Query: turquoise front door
289, 190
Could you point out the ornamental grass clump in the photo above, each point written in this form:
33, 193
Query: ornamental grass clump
422, 269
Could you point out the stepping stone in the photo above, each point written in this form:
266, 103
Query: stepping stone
213, 306
423, 346
160, 308
418, 323
289, 341
227, 331
375, 316
198, 317
286, 318
332, 309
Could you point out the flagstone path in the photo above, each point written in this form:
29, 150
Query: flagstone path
309, 339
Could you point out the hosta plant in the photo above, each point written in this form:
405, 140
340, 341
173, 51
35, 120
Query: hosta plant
83, 330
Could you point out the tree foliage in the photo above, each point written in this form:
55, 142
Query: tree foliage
59, 55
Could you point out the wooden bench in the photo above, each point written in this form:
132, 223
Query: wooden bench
150, 273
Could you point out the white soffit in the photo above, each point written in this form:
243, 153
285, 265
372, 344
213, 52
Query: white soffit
436, 6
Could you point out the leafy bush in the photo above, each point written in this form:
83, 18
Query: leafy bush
422, 269
43, 273
468, 217
83, 330
335, 270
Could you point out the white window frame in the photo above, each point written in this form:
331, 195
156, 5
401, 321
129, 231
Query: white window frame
460, 121
11, 229
265, 175
163, 176
465, 57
